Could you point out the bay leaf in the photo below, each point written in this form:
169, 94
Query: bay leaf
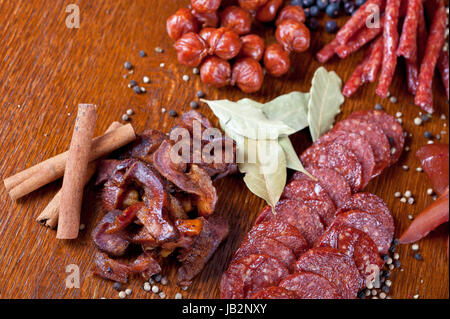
247, 120
292, 160
324, 101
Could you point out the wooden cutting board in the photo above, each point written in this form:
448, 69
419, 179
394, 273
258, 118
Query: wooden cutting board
47, 69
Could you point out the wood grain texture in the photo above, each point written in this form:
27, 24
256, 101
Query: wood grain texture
48, 69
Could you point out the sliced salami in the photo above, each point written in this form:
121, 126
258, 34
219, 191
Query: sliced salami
369, 224
335, 266
333, 183
312, 194
337, 157
359, 146
266, 246
274, 292
282, 232
308, 285
374, 135
250, 274
390, 127
371, 204
298, 215
357, 245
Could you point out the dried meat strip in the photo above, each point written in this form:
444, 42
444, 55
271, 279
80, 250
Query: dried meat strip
373, 66
390, 127
443, 70
333, 183
408, 38
335, 266
251, 274
359, 40
390, 36
357, 78
327, 52
358, 20
308, 285
435, 42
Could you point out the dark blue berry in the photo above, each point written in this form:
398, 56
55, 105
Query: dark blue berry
331, 26
322, 4
307, 3
296, 2
333, 10
360, 2
314, 11
307, 12
313, 24
349, 8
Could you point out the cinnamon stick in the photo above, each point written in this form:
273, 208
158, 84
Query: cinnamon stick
75, 172
49, 216
51, 169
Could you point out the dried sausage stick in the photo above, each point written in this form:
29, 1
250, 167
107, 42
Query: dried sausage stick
376, 58
422, 34
435, 42
359, 40
390, 35
443, 69
356, 79
409, 31
358, 20
327, 52
412, 71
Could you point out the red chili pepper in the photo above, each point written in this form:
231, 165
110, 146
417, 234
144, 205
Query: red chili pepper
433, 216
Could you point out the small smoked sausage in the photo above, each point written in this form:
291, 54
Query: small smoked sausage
224, 43
215, 71
247, 74
191, 49
293, 36
205, 33
295, 13
236, 19
205, 6
209, 19
269, 11
180, 23
252, 5
276, 60
252, 47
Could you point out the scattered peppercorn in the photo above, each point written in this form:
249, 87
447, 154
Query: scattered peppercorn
362, 294
159, 50
137, 89
194, 105
142, 54
385, 289
127, 65
132, 83
418, 256
428, 135
378, 107
200, 94
117, 286
172, 113
397, 263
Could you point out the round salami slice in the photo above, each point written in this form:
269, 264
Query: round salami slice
282, 232
335, 266
298, 215
308, 285
357, 245
337, 157
333, 183
369, 224
266, 246
250, 274
390, 127
374, 135
312, 194
359, 146
371, 204
274, 292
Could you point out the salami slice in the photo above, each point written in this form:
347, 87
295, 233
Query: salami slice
266, 246
313, 195
296, 214
390, 127
274, 292
371, 204
374, 135
357, 245
308, 285
335, 266
337, 157
359, 146
333, 183
250, 274
282, 232
369, 224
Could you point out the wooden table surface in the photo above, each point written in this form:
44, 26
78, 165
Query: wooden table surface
47, 69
